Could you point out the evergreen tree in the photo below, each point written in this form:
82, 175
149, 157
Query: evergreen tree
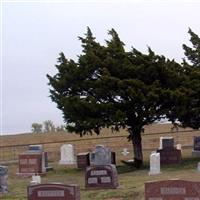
189, 110
110, 87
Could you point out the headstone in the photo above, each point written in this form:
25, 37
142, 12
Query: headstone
53, 191
3, 179
102, 155
30, 163
169, 156
166, 142
83, 160
36, 179
179, 147
196, 146
154, 163
101, 177
67, 155
172, 190
198, 166
37, 148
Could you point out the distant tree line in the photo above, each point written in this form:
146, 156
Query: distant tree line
46, 127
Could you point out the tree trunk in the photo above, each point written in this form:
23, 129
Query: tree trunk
137, 146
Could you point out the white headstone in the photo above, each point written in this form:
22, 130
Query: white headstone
67, 155
178, 146
154, 163
36, 179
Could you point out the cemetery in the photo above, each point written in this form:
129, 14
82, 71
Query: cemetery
97, 172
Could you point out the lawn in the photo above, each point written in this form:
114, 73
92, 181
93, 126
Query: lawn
131, 181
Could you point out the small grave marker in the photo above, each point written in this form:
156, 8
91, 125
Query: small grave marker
53, 191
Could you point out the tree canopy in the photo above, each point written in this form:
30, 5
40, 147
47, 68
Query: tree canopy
110, 87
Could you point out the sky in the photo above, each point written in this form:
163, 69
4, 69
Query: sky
33, 33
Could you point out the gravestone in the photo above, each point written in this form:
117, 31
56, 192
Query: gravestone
172, 190
30, 163
101, 177
102, 156
53, 191
125, 151
67, 155
154, 163
196, 146
36, 179
198, 166
168, 153
3, 179
83, 160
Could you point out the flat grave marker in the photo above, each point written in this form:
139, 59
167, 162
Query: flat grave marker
172, 190
53, 191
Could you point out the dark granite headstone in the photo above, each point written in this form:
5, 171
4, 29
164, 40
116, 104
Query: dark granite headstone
101, 177
30, 163
196, 145
169, 156
83, 160
3, 179
53, 191
172, 190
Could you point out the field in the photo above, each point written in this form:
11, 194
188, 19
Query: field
131, 181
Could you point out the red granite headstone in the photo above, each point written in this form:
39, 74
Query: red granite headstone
172, 190
101, 176
83, 160
30, 163
170, 156
53, 192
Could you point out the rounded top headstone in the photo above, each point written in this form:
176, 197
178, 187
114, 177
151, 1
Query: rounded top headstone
3, 170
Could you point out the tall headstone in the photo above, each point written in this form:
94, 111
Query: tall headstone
168, 153
67, 155
3, 179
196, 146
52, 191
154, 163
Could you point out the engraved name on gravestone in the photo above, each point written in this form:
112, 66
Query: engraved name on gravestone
30, 163
102, 176
3, 179
53, 192
67, 155
172, 190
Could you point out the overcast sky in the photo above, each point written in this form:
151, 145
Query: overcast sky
33, 33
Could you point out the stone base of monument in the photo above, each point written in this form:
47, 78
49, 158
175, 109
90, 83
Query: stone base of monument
195, 153
169, 156
53, 191
101, 177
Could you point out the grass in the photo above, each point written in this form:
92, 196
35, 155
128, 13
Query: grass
131, 181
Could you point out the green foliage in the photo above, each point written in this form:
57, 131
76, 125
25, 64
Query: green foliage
189, 110
36, 128
110, 87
